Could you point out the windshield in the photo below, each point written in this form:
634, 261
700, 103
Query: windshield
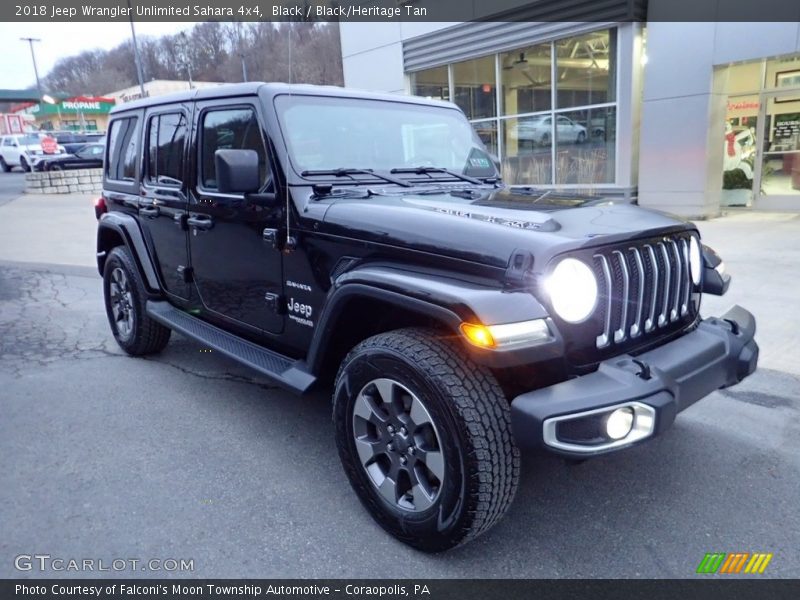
324, 133
29, 140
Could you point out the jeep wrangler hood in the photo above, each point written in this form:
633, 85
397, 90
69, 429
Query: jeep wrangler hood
489, 228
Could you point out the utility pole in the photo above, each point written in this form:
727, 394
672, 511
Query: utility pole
136, 58
30, 41
241, 50
183, 56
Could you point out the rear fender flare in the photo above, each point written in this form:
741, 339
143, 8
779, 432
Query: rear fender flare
127, 229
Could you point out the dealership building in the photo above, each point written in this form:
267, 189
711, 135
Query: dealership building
688, 117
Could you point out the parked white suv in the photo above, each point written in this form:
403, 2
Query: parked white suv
24, 150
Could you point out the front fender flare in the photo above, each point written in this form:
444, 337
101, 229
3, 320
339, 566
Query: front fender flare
445, 299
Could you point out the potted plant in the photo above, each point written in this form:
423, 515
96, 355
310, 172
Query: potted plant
737, 188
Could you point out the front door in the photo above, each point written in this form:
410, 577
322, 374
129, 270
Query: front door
237, 272
777, 172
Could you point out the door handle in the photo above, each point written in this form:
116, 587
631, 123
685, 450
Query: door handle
150, 212
200, 222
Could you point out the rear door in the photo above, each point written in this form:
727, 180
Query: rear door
163, 201
237, 272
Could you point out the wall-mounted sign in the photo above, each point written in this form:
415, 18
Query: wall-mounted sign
787, 126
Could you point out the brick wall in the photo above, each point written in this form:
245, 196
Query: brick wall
79, 181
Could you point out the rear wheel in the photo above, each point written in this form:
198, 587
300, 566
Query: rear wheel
125, 299
424, 435
4, 165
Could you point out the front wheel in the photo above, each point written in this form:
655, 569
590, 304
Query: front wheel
424, 435
24, 164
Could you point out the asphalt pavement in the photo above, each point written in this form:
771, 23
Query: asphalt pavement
187, 455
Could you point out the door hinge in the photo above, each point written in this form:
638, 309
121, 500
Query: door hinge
185, 273
270, 236
180, 221
275, 302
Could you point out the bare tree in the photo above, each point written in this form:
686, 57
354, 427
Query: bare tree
301, 52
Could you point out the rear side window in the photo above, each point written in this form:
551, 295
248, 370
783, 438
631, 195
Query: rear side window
235, 128
123, 149
166, 136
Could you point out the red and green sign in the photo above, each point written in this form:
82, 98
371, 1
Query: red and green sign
80, 105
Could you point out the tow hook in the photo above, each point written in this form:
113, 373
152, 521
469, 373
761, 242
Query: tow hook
644, 373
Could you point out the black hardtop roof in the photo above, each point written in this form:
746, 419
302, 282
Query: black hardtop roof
271, 89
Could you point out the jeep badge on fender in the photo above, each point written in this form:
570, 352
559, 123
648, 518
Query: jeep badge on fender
456, 318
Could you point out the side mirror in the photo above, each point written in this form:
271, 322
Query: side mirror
237, 171
715, 281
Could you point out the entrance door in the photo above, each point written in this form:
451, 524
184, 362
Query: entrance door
237, 273
777, 172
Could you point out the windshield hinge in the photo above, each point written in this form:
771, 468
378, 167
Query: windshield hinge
519, 268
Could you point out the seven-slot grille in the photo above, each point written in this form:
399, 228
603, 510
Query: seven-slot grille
644, 286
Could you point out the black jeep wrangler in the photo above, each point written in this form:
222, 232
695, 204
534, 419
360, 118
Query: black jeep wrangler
319, 234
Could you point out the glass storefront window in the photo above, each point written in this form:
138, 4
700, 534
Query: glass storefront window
585, 143
527, 150
586, 69
431, 83
487, 131
537, 141
526, 77
474, 87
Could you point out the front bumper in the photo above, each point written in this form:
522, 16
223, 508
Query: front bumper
568, 418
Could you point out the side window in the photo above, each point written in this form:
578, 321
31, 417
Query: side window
122, 149
166, 136
235, 128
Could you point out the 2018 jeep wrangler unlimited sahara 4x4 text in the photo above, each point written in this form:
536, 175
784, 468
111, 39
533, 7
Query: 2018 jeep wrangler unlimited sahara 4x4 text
324, 234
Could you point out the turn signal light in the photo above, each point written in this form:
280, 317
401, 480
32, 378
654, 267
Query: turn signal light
478, 335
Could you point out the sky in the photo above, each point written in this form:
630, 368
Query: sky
60, 40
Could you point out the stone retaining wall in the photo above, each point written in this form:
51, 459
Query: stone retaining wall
78, 181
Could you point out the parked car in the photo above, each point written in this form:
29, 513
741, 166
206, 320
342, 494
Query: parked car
538, 129
73, 140
318, 234
25, 150
88, 156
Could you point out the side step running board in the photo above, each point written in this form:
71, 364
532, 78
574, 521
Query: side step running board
289, 373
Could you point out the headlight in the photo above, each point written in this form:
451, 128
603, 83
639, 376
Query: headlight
695, 260
572, 287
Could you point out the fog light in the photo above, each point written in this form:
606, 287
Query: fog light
619, 423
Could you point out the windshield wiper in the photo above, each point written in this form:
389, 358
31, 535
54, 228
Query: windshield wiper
429, 170
350, 172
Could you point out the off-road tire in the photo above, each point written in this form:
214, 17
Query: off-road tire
24, 164
472, 418
147, 336
4, 165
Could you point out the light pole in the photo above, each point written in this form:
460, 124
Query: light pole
50, 100
136, 58
30, 41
